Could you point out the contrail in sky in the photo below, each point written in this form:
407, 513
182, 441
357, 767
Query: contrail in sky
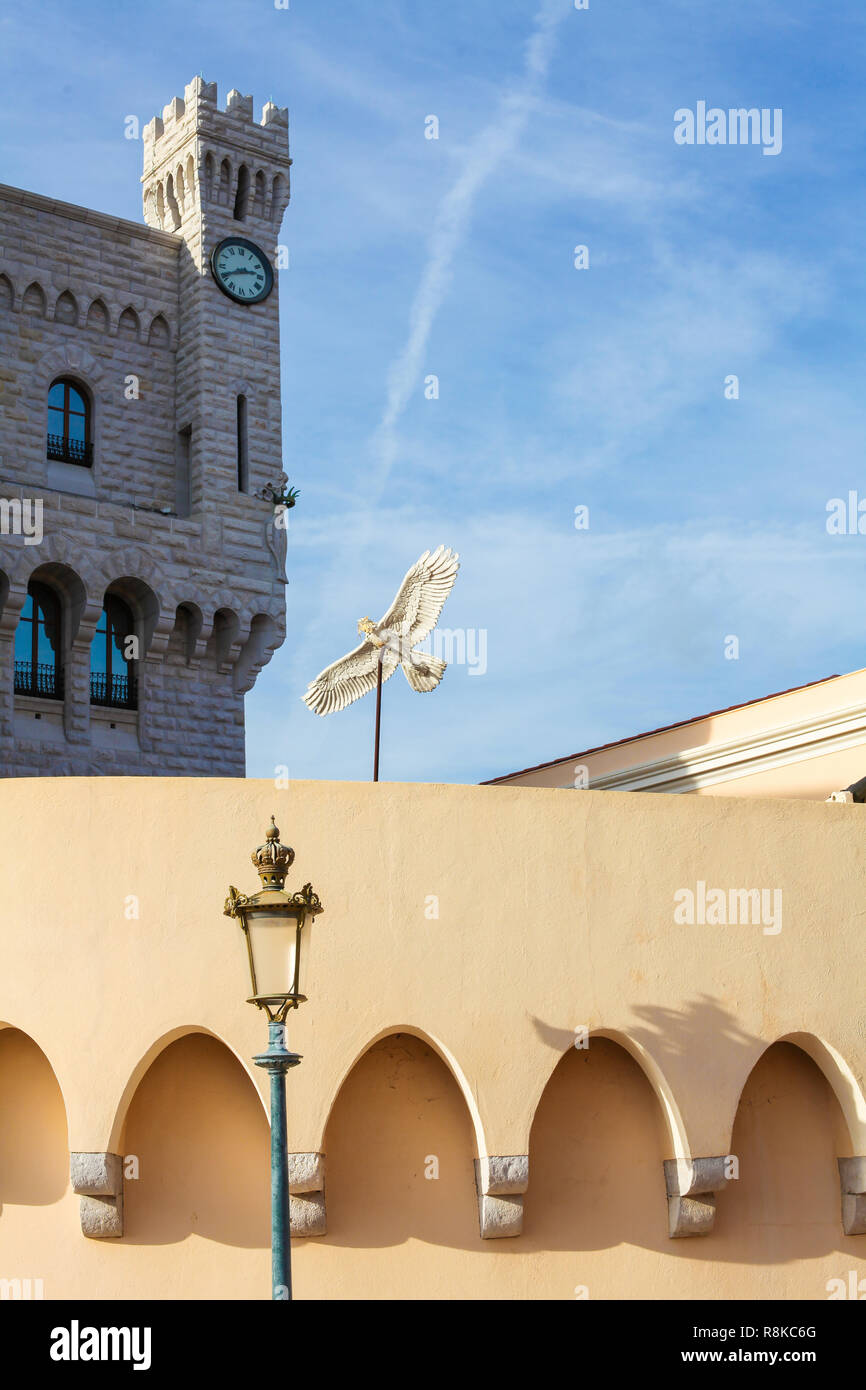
486, 152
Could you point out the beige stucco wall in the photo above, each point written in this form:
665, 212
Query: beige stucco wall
555, 911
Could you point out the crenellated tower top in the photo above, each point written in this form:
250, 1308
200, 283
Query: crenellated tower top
201, 162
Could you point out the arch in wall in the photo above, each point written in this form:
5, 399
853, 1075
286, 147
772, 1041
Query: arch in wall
70, 589
128, 325
143, 1065
673, 1120
150, 205
188, 623
159, 334
226, 637
278, 193
399, 1109
34, 1149
132, 561
33, 301
242, 196
839, 1075
596, 1151
7, 292
66, 309
259, 194
445, 1055
144, 605
197, 1128
225, 183
658, 1081
97, 316
171, 204
787, 1134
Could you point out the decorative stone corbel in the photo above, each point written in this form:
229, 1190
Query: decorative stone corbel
692, 1185
307, 1194
501, 1183
852, 1178
98, 1179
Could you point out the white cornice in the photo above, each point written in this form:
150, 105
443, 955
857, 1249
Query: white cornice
694, 768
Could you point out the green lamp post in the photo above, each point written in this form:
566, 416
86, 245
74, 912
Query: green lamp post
277, 930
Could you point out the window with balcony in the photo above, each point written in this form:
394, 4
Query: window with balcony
38, 661
113, 679
69, 432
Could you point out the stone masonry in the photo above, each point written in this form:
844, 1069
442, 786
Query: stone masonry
133, 315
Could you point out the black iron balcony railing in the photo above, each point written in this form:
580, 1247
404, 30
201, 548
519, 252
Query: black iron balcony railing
70, 450
33, 679
119, 692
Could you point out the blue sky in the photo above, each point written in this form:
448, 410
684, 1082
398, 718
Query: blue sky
559, 387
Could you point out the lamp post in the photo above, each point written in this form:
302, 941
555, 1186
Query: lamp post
273, 923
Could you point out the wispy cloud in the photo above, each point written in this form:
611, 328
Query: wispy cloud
484, 155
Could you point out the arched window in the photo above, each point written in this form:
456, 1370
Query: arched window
38, 653
112, 666
69, 435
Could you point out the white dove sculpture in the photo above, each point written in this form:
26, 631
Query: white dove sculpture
389, 643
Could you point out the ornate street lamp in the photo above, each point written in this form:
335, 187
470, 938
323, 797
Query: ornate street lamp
274, 925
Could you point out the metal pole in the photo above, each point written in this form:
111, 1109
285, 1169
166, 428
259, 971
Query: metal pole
277, 1061
378, 714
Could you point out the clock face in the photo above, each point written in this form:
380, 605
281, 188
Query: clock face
242, 270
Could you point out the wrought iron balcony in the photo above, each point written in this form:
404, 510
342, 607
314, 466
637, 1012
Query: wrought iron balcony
118, 692
70, 450
44, 681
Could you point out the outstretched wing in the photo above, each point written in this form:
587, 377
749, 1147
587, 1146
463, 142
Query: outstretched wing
346, 680
421, 597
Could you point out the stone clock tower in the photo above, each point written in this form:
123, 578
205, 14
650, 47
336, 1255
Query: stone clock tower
211, 175
140, 418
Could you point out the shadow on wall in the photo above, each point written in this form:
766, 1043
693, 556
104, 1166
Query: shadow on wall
676, 1032
34, 1153
197, 1127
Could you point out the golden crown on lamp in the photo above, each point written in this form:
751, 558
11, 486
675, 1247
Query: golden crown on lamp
273, 923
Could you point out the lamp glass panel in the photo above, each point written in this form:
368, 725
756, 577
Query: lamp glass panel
272, 939
304, 972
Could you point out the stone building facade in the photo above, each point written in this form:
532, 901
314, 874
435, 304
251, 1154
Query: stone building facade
154, 504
